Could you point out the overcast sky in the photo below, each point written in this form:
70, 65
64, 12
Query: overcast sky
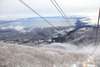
14, 9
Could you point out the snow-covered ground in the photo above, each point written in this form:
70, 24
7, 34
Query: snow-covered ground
52, 55
75, 48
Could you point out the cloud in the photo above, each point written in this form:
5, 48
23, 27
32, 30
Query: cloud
13, 8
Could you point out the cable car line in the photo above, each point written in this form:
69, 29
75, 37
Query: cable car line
57, 8
97, 33
56, 5
92, 54
60, 8
21, 1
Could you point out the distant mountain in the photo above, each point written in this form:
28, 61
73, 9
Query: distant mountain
33, 22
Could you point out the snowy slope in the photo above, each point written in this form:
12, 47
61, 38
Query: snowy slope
14, 55
24, 56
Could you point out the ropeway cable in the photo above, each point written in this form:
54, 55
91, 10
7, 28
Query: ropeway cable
60, 10
96, 34
57, 8
92, 54
21, 1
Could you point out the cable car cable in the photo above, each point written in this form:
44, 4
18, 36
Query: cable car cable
56, 5
21, 1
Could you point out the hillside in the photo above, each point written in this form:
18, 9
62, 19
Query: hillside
13, 55
24, 56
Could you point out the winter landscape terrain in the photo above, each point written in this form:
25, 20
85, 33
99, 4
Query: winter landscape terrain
27, 42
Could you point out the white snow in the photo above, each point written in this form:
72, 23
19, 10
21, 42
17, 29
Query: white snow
14, 55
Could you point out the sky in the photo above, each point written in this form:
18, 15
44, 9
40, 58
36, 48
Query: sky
14, 9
